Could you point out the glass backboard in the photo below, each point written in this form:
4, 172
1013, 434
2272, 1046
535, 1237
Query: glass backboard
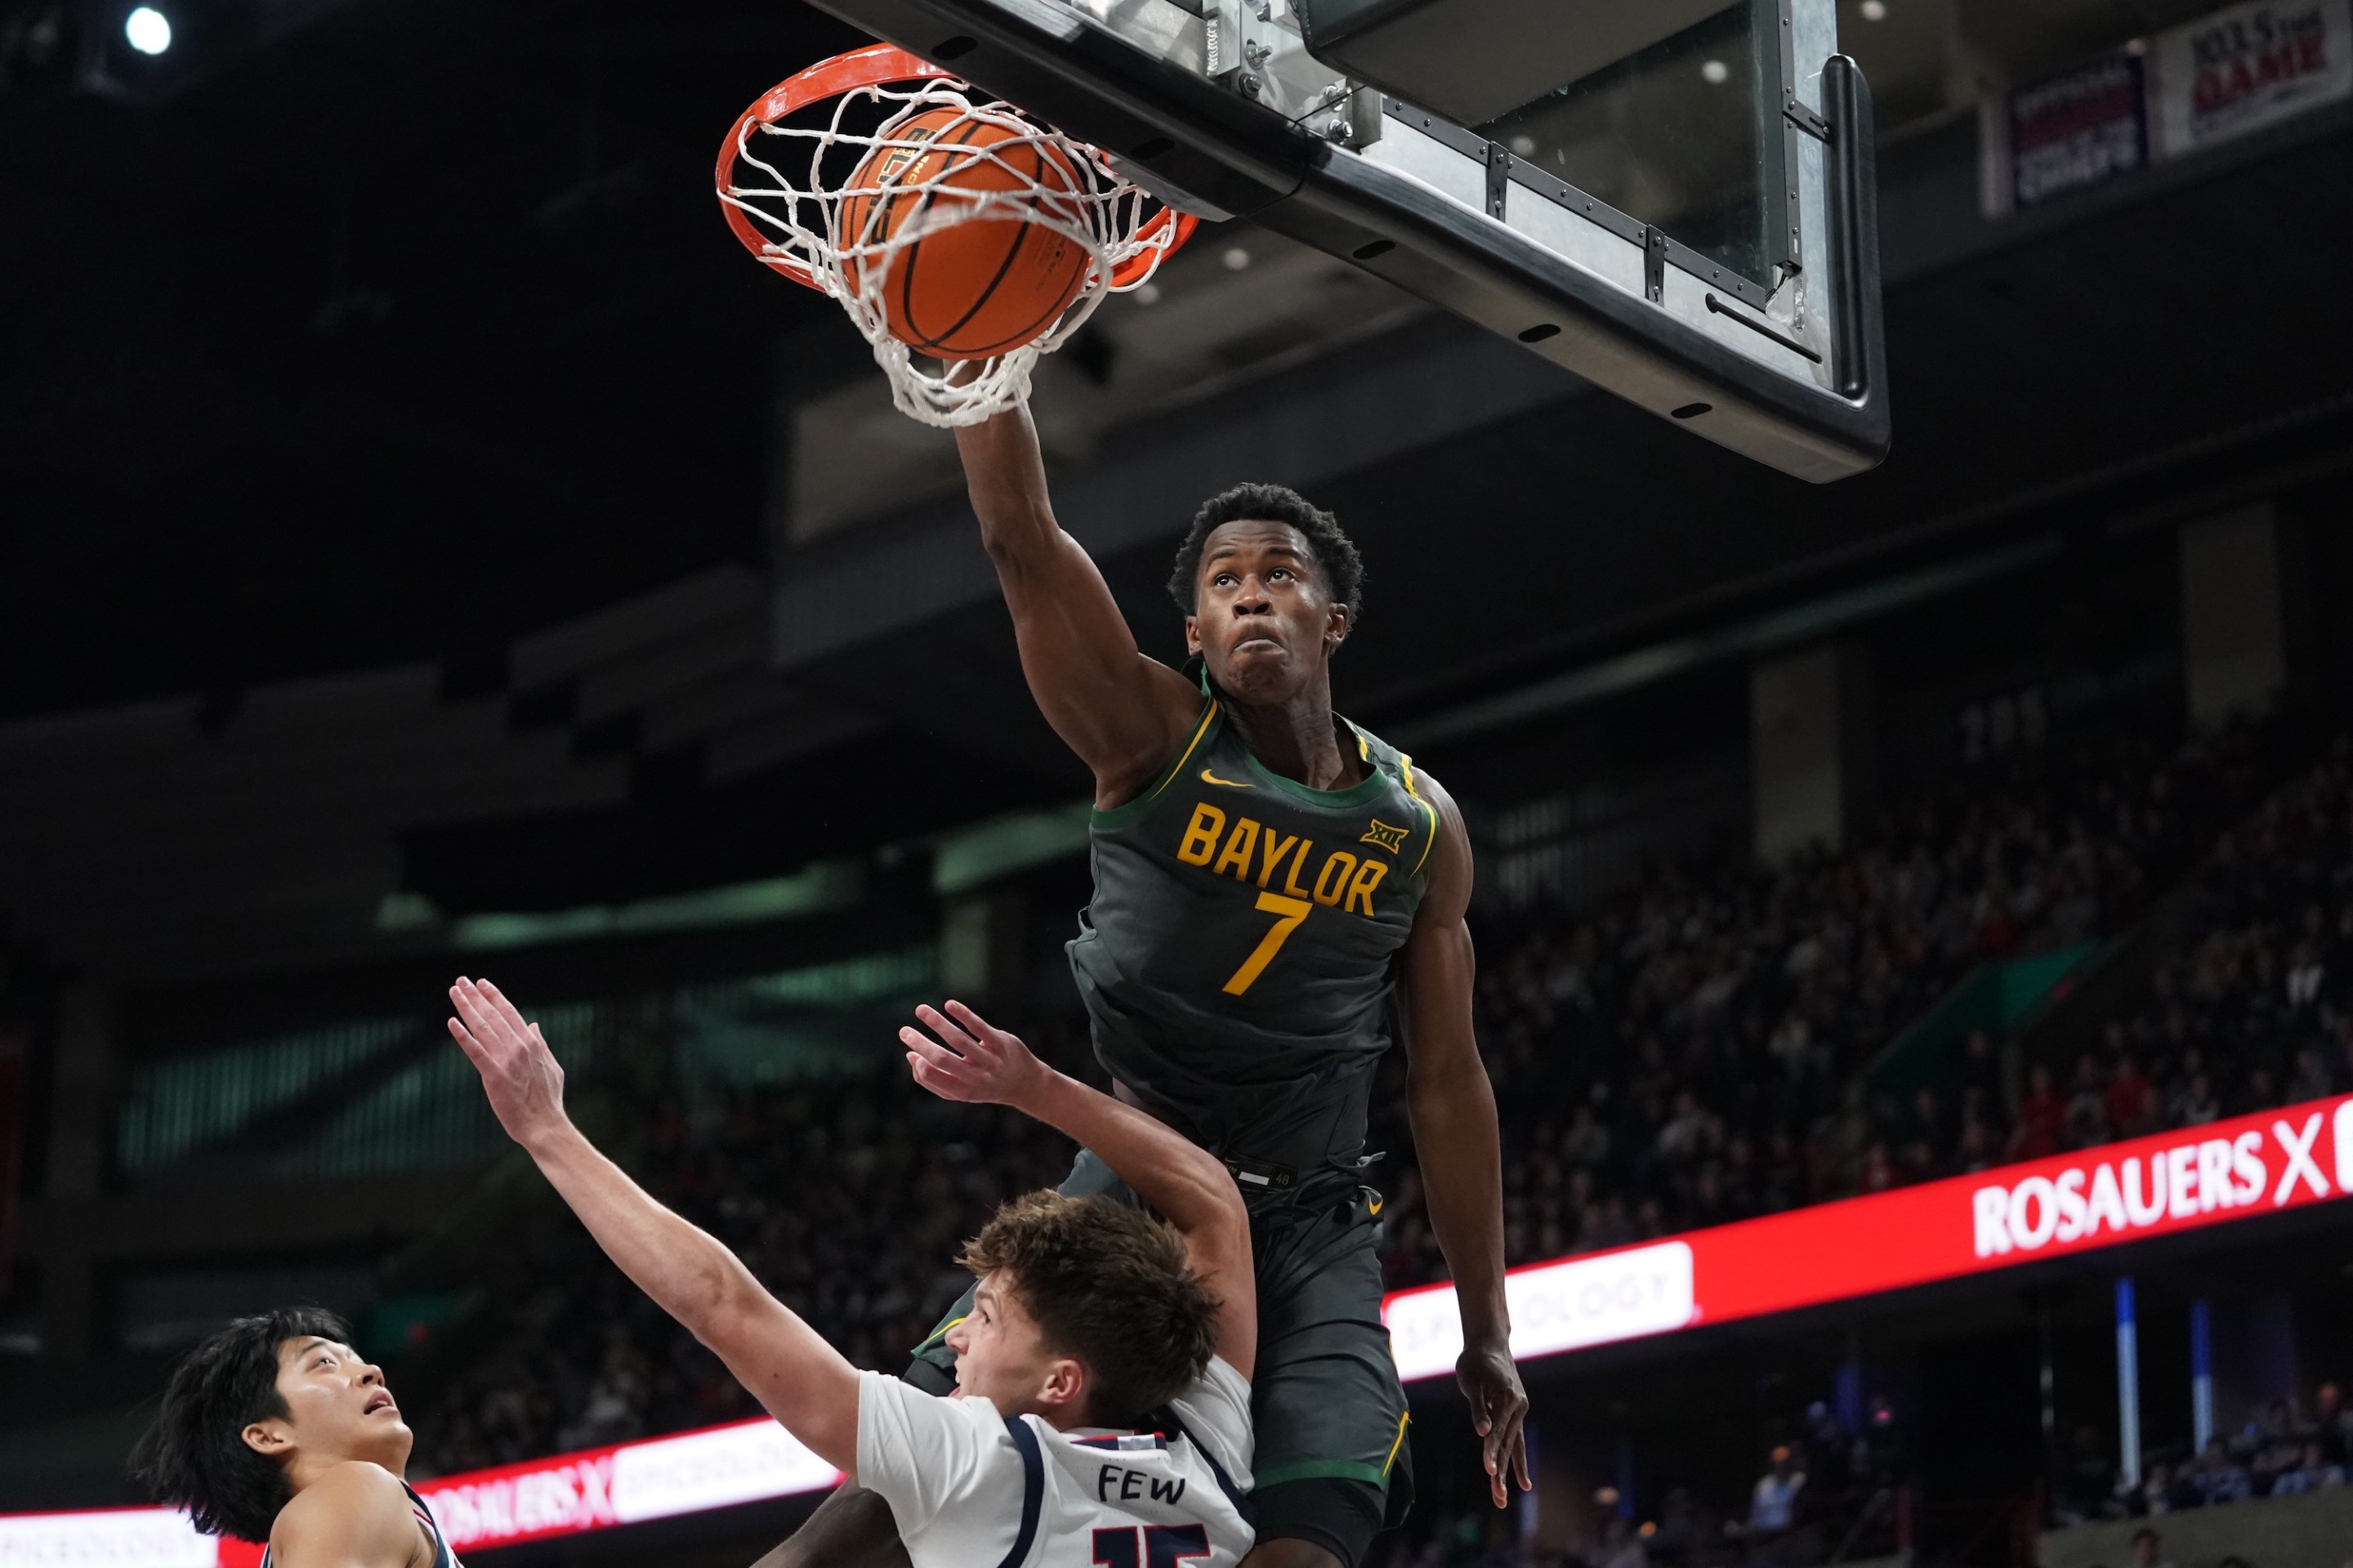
1673, 198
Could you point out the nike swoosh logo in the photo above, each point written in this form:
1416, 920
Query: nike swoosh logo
1210, 778
1375, 1209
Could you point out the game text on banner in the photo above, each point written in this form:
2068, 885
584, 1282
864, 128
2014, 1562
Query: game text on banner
1555, 1307
104, 1538
717, 1468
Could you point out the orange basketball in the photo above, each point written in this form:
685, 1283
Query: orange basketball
966, 290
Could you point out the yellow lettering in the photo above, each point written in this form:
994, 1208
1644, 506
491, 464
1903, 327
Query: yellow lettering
1333, 880
1237, 850
1288, 913
1368, 876
1277, 847
1298, 865
1201, 837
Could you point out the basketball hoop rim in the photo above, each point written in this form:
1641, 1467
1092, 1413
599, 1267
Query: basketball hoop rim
873, 66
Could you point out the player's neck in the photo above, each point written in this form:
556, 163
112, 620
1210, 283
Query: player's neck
1298, 738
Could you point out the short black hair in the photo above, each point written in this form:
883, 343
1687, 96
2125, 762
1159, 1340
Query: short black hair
1335, 552
196, 1456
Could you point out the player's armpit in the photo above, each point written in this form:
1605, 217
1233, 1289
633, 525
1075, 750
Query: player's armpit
1125, 715
356, 1516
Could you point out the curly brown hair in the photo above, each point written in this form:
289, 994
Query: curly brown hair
1109, 1285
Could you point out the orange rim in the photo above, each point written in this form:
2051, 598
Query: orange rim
871, 66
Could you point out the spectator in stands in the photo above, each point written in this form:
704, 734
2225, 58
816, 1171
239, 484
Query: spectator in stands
2312, 1472
2330, 1423
2148, 1549
2216, 1477
2198, 1105
2275, 1447
2087, 1106
2040, 1120
2132, 1101
2087, 1481
1773, 1503
2154, 1495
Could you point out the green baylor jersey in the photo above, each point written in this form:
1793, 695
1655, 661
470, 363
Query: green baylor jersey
1240, 956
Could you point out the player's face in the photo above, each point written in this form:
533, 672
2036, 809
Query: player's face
337, 1408
1001, 1357
1262, 614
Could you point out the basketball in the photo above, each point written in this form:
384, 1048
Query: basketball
972, 289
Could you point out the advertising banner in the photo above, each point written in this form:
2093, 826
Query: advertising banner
2198, 1176
2241, 68
2078, 130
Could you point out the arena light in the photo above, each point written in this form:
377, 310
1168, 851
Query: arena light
2200, 1177
148, 30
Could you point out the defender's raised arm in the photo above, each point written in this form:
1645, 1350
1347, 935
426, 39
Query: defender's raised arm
786, 1364
1189, 1186
1123, 713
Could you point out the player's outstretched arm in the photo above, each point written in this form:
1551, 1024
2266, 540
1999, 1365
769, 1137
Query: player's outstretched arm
1125, 715
355, 1516
1189, 1186
1452, 1107
786, 1364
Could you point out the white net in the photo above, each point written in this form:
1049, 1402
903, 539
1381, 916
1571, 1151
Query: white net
837, 184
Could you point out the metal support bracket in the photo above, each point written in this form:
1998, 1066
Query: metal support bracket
1805, 119
1498, 179
1654, 265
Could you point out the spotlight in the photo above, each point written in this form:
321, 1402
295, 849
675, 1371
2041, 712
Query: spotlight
148, 30
1716, 73
1236, 259
1874, 10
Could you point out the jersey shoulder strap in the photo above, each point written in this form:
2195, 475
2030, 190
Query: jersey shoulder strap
1033, 1491
1166, 1419
442, 1557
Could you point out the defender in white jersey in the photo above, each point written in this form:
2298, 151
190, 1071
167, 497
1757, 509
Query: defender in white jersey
1101, 1418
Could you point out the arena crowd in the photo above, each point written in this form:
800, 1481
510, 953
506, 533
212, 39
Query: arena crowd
1679, 1055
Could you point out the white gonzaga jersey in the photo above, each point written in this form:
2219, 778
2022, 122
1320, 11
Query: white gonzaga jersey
971, 1488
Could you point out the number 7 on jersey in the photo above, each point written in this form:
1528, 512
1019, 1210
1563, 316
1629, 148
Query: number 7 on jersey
1288, 914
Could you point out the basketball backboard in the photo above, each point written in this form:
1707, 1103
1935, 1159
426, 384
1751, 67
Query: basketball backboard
1673, 198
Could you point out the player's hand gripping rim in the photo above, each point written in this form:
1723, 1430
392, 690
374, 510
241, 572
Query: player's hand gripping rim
972, 1061
1490, 1379
520, 1073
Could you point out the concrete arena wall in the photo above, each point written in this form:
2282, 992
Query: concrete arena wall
2311, 1531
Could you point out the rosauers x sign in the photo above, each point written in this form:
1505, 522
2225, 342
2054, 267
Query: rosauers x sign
2211, 1175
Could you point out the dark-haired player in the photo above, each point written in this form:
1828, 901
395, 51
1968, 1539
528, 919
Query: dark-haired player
1104, 1369
1269, 883
276, 1430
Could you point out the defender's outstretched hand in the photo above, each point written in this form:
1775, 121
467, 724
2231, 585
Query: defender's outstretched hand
519, 1073
979, 1063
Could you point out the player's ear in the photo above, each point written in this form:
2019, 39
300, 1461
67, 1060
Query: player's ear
272, 1439
1335, 628
1066, 1384
1193, 636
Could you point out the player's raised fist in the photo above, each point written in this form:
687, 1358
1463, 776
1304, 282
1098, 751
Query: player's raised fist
520, 1073
972, 1060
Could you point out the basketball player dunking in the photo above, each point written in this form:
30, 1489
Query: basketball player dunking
1269, 882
